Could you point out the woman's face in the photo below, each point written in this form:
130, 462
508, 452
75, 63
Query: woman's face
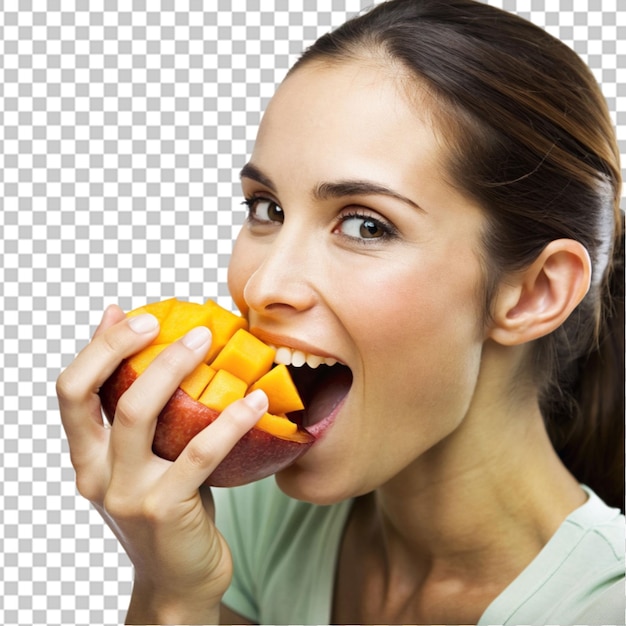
357, 249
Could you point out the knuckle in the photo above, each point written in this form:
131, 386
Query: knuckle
117, 505
91, 477
152, 509
88, 488
198, 456
126, 412
68, 387
111, 340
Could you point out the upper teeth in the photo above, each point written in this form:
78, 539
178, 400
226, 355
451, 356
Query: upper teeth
298, 358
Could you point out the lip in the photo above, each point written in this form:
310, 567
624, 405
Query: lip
290, 342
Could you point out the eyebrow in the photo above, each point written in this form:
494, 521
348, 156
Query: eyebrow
339, 189
254, 173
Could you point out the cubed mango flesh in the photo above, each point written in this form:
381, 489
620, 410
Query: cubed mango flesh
237, 363
224, 325
159, 309
181, 319
194, 384
280, 389
278, 425
245, 356
224, 389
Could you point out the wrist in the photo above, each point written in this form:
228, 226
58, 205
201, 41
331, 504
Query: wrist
149, 605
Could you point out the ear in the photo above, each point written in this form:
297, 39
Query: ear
534, 302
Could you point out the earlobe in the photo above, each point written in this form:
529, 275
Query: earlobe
537, 300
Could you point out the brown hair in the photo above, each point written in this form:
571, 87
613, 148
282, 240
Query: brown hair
532, 141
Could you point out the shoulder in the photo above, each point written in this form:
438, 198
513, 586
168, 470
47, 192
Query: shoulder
607, 607
599, 529
578, 577
591, 563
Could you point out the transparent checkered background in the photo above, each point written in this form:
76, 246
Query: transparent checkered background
123, 126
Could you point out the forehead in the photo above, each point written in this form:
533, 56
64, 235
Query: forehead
348, 116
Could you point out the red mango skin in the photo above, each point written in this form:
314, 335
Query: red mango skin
256, 455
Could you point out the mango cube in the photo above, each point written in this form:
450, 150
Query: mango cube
194, 384
280, 389
224, 325
181, 319
245, 356
223, 390
278, 425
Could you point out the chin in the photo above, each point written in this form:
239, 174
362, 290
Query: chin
306, 488
321, 482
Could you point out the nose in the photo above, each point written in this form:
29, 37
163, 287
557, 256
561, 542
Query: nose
283, 283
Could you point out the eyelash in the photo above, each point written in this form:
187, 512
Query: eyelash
251, 202
389, 231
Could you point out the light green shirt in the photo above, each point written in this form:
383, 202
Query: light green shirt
285, 553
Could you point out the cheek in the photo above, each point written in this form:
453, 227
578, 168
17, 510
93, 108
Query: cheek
420, 336
419, 373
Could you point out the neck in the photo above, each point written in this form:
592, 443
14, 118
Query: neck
474, 505
442, 539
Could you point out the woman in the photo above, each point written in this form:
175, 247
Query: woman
433, 202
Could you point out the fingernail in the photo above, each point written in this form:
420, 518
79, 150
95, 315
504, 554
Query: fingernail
257, 400
197, 337
143, 323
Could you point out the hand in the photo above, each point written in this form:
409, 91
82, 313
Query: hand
157, 509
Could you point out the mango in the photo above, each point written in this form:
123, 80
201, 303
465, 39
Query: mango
236, 364
224, 389
194, 384
245, 356
224, 325
280, 389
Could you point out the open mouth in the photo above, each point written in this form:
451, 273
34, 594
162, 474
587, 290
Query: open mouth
322, 390
322, 384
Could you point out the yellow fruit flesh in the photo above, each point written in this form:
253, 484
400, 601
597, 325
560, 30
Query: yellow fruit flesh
159, 309
181, 319
245, 356
194, 384
224, 325
277, 425
237, 363
224, 389
280, 389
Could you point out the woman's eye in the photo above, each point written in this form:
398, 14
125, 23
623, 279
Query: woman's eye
364, 227
264, 210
